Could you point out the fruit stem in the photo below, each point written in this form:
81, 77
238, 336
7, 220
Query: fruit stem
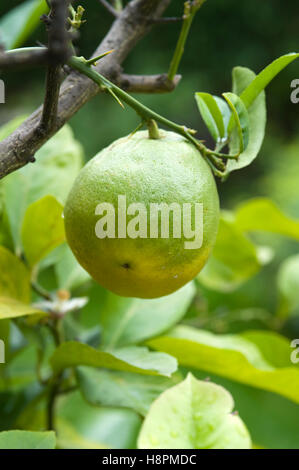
153, 130
146, 114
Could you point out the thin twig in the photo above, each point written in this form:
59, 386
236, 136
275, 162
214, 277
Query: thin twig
190, 9
41, 291
53, 393
109, 8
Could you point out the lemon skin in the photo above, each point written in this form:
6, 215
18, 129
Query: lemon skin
166, 170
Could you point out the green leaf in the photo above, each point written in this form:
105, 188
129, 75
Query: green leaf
11, 308
21, 367
225, 112
242, 77
260, 359
43, 228
14, 277
57, 165
234, 259
277, 423
130, 320
211, 114
193, 415
261, 214
121, 389
84, 426
241, 118
4, 334
131, 359
252, 91
288, 281
69, 273
27, 440
17, 25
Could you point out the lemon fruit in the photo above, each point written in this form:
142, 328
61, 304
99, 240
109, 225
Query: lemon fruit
146, 171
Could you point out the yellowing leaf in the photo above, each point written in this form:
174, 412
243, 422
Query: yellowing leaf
11, 308
43, 228
14, 277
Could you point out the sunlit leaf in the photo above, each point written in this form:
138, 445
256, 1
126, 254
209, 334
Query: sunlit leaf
11, 308
42, 229
193, 415
277, 423
14, 277
259, 358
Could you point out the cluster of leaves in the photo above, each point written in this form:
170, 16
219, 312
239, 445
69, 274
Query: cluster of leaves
239, 120
121, 363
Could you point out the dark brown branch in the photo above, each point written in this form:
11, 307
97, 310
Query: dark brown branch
49, 114
147, 83
132, 24
59, 52
58, 36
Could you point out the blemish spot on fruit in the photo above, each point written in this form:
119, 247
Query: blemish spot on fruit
126, 265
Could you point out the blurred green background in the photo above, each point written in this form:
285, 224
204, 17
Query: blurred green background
225, 33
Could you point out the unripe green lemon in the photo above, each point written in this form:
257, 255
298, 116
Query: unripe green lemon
126, 254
